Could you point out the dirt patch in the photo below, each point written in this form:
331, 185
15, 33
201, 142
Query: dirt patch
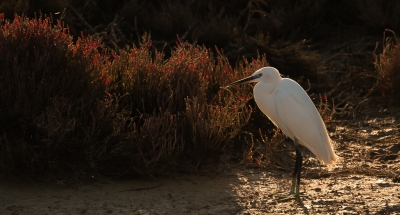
237, 191
366, 181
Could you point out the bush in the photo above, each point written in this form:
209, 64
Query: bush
78, 108
50, 92
388, 66
177, 114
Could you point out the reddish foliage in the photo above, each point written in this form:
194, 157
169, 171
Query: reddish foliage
388, 66
131, 112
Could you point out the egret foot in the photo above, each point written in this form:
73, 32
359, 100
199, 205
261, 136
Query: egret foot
291, 195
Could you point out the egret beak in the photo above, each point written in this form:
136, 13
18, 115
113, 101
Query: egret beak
242, 81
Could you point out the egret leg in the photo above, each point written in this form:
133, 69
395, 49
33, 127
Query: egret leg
296, 169
299, 163
295, 189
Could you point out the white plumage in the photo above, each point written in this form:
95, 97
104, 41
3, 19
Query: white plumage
289, 107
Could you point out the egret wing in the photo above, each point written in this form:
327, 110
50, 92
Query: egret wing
299, 118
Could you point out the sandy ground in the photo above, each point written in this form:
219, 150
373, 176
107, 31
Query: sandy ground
366, 181
234, 190
240, 192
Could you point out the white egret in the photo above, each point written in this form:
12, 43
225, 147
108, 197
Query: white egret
289, 107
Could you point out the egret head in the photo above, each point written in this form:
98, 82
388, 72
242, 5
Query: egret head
265, 74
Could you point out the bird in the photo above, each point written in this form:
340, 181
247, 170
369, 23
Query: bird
290, 108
